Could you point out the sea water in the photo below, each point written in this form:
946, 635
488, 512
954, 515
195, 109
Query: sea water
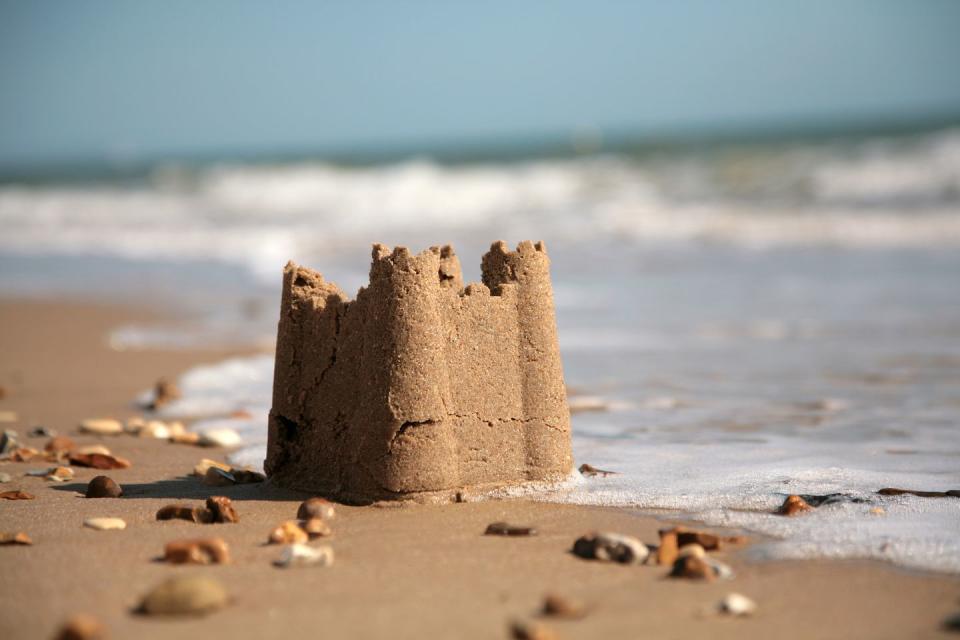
754, 322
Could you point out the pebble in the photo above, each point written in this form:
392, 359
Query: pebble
82, 627
184, 512
693, 568
590, 471
562, 607
220, 438
735, 604
611, 546
522, 630
692, 549
105, 524
8, 441
506, 529
164, 392
15, 538
104, 487
185, 595
316, 528
201, 468
188, 437
288, 533
59, 474
16, 495
99, 461
197, 551
23, 454
316, 508
5, 477
60, 444
222, 509
102, 426
669, 547
216, 477
91, 449
301, 555
793, 505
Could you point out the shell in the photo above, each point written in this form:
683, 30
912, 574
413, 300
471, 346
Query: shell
735, 604
102, 426
105, 524
301, 555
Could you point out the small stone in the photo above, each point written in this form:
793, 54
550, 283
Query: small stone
316, 508
59, 474
98, 461
614, 547
16, 495
155, 429
523, 630
693, 568
187, 437
105, 524
164, 392
562, 607
185, 595
8, 441
692, 549
590, 471
288, 533
5, 477
216, 477
15, 538
198, 551
316, 528
60, 444
793, 505
82, 627
709, 541
91, 449
103, 487
735, 604
206, 464
247, 476
301, 555
23, 454
222, 509
102, 426
220, 438
669, 547
506, 529
185, 512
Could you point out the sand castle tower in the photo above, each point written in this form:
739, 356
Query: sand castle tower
419, 388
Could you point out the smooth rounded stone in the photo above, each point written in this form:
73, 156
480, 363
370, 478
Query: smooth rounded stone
105, 524
222, 509
197, 551
82, 627
316, 508
288, 533
60, 444
614, 547
18, 538
692, 568
301, 555
692, 550
102, 426
185, 595
220, 438
188, 437
155, 429
205, 464
560, 606
103, 487
531, 630
507, 529
316, 528
735, 604
793, 505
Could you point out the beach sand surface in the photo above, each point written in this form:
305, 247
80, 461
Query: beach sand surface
401, 572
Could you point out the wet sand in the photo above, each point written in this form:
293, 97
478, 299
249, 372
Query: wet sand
402, 572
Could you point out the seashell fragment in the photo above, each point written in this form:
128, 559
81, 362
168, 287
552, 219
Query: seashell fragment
185, 595
8, 441
59, 474
103, 487
793, 505
614, 547
316, 508
301, 555
102, 426
735, 604
507, 529
562, 607
589, 471
206, 464
692, 568
98, 461
82, 627
18, 538
164, 392
185, 512
220, 438
92, 448
222, 509
197, 551
530, 630
60, 444
105, 524
316, 528
288, 532
216, 477
16, 495
187, 437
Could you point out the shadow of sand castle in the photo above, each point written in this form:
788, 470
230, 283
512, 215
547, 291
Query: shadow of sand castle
191, 488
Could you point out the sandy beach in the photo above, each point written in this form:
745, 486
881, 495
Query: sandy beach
404, 572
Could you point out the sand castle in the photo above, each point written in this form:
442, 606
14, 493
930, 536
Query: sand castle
419, 388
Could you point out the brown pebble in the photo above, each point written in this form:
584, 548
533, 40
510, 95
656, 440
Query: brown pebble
60, 444
521, 630
793, 505
590, 471
316, 508
82, 627
506, 529
562, 607
216, 477
15, 538
188, 437
17, 495
98, 461
222, 509
669, 547
692, 567
185, 512
197, 551
185, 595
316, 528
288, 533
103, 487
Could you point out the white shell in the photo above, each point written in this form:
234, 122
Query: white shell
220, 438
301, 555
736, 604
104, 524
102, 426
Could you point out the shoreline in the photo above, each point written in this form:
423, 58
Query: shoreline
408, 571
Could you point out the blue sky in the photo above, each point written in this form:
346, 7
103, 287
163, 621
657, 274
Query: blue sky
133, 79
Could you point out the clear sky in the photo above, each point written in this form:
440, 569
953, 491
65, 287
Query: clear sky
98, 78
